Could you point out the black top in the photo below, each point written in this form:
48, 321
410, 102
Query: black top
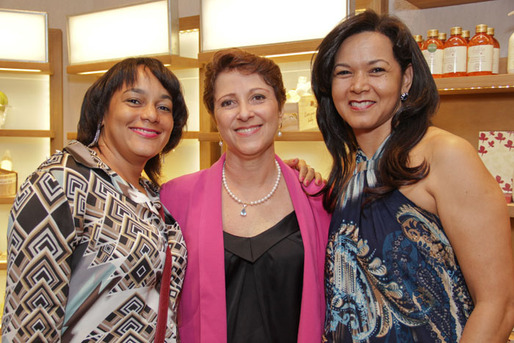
264, 279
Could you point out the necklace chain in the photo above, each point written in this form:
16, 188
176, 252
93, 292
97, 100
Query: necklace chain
251, 203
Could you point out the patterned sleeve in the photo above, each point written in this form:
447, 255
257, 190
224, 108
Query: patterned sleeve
40, 236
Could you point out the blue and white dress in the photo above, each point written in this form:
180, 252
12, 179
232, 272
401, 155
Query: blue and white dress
391, 274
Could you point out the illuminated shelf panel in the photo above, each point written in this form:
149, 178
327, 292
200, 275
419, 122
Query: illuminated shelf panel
501, 83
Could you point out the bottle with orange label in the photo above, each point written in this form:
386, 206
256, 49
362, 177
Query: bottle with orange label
496, 50
480, 52
455, 54
433, 53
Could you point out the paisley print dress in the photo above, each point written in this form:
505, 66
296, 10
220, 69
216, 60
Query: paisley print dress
391, 274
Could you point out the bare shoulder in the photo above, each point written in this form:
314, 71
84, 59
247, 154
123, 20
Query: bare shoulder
441, 148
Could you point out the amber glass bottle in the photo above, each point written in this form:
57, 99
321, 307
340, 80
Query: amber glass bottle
442, 37
433, 53
466, 35
455, 54
480, 52
496, 50
419, 40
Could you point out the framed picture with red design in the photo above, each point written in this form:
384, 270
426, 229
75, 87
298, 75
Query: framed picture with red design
496, 148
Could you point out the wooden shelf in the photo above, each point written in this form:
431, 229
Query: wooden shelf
441, 3
6, 200
26, 67
289, 51
501, 83
511, 209
174, 62
27, 133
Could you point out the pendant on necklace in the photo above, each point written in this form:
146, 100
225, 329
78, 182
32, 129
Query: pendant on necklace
243, 211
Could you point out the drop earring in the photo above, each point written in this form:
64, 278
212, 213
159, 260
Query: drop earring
97, 136
279, 133
220, 142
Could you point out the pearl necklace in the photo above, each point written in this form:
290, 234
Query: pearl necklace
251, 203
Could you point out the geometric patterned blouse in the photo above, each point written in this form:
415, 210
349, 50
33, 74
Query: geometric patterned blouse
86, 251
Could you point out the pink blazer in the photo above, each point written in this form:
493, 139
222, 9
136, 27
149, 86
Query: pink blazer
195, 202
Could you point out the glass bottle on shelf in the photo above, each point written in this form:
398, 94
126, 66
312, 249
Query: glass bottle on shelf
419, 40
6, 162
433, 53
480, 52
466, 35
455, 54
496, 50
442, 37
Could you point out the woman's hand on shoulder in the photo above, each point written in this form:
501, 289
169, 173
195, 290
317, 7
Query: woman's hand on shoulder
306, 172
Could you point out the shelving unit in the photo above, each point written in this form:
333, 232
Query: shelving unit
55, 71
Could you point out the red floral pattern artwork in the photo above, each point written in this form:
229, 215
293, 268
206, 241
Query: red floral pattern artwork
496, 148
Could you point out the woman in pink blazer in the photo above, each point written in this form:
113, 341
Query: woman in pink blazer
255, 237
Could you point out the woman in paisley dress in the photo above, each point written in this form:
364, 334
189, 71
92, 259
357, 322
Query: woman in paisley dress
419, 245
87, 239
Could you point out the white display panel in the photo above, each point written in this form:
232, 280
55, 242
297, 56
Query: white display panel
184, 159
190, 81
26, 112
231, 23
24, 36
118, 33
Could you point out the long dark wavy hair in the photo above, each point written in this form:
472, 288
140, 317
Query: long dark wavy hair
98, 96
409, 123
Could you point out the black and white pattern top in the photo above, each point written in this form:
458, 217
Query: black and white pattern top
86, 251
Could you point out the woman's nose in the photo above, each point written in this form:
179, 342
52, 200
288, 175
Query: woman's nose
245, 112
149, 113
360, 83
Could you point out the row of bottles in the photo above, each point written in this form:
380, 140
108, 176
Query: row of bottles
460, 55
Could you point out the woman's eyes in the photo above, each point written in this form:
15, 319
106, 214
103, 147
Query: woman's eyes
342, 72
377, 70
137, 102
258, 97
374, 70
164, 108
226, 103
254, 98
134, 101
